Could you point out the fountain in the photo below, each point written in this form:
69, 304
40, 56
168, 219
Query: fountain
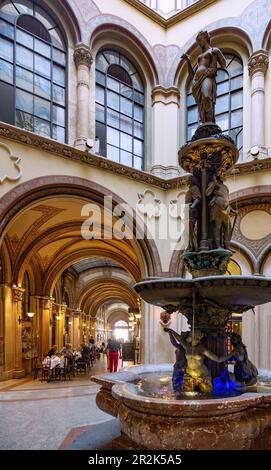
201, 404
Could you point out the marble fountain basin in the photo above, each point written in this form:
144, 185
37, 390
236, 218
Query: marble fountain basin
152, 418
241, 292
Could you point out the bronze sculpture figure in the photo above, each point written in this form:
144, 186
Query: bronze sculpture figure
193, 198
196, 374
220, 212
204, 88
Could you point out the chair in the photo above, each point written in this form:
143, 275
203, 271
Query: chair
37, 366
46, 370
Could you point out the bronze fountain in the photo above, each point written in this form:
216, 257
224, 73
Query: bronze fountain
225, 412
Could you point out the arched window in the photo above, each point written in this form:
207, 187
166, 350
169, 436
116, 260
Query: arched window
229, 104
32, 70
119, 109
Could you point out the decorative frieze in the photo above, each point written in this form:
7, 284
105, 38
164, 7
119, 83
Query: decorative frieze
166, 95
82, 55
258, 62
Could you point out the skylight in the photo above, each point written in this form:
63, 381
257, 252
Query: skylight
168, 8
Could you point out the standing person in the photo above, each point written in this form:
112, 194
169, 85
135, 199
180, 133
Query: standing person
113, 347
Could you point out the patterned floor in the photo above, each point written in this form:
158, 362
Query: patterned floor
36, 415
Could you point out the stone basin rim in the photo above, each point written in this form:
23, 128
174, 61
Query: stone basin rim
178, 408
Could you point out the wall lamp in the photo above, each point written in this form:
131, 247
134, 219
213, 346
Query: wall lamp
30, 314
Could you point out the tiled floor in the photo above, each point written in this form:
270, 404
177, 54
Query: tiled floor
36, 415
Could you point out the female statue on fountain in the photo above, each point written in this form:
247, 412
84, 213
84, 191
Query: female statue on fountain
203, 77
196, 375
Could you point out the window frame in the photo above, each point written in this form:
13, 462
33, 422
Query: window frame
239, 129
107, 89
51, 81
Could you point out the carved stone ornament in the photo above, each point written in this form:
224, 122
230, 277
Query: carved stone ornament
258, 62
17, 294
149, 205
82, 55
9, 165
46, 302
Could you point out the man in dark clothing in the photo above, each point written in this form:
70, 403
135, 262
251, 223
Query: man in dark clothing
113, 347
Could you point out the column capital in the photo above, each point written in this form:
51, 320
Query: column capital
82, 55
46, 302
17, 294
258, 62
166, 96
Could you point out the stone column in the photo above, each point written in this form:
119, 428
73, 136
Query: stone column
75, 336
165, 103
7, 337
83, 60
17, 299
257, 66
46, 304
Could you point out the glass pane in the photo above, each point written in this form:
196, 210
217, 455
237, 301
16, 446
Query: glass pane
6, 29
112, 153
138, 113
113, 118
126, 64
113, 100
221, 75
126, 158
139, 98
9, 11
59, 115
126, 124
99, 94
126, 142
6, 71
237, 82
42, 127
237, 118
138, 130
6, 50
235, 68
113, 84
24, 38
42, 48
112, 57
100, 78
59, 133
100, 114
24, 79
57, 38
223, 88
42, 87
59, 75
138, 163
223, 121
59, 56
42, 108
138, 147
138, 85
101, 63
113, 137
239, 139
190, 132
190, 100
192, 115
24, 57
42, 65
25, 6
59, 94
222, 104
24, 101
126, 91
44, 18
24, 120
126, 106
237, 100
